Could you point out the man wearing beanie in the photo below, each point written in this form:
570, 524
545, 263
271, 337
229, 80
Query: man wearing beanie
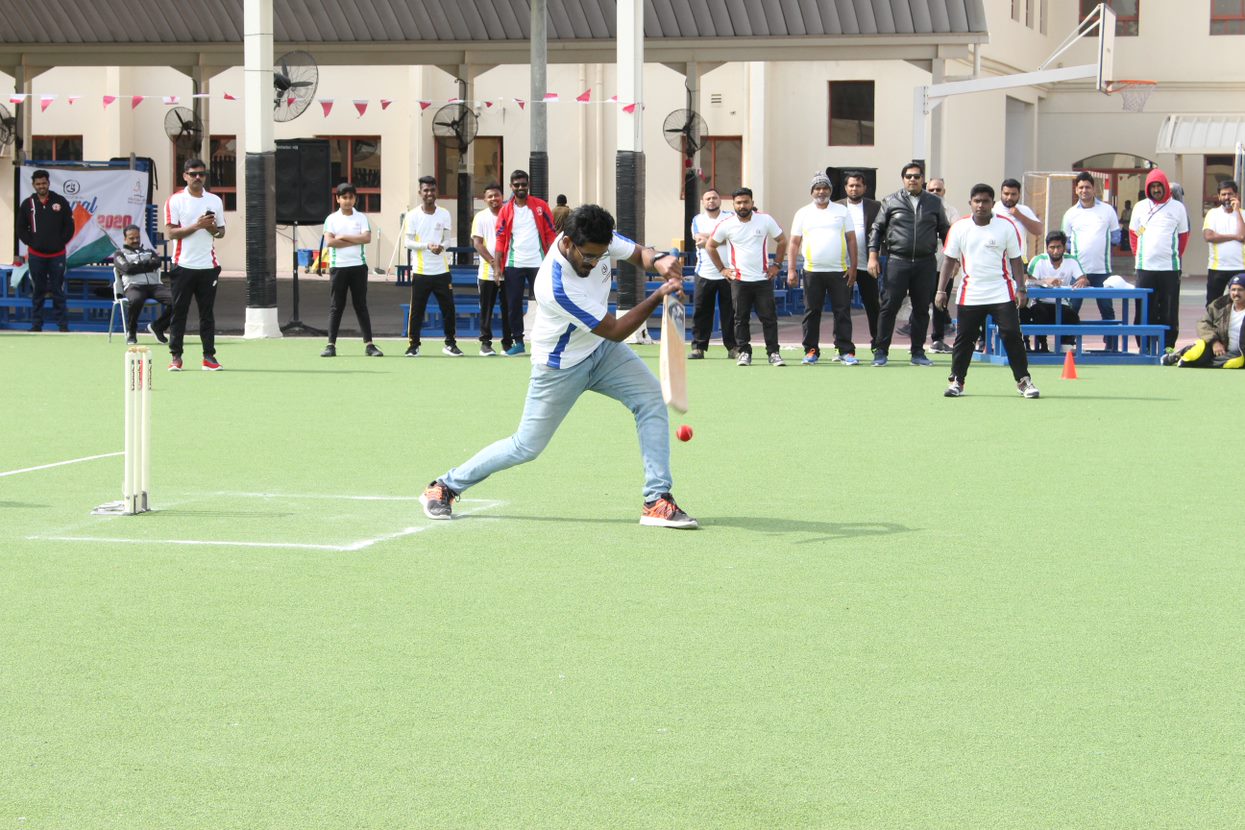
824, 234
1220, 333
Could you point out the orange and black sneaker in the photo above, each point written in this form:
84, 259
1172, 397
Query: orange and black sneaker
663, 512
436, 501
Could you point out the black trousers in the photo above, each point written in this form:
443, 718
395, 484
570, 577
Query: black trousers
1044, 314
870, 299
489, 291
47, 280
352, 279
707, 293
758, 295
907, 277
516, 281
817, 284
198, 284
1217, 283
136, 296
422, 287
972, 323
1164, 302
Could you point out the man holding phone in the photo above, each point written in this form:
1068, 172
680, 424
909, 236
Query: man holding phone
193, 220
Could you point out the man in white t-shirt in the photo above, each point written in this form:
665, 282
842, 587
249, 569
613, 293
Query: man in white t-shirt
752, 278
984, 246
525, 230
489, 276
1093, 230
194, 219
863, 211
711, 287
824, 234
1220, 333
940, 321
346, 232
1008, 206
427, 236
1159, 231
1052, 269
1224, 230
577, 347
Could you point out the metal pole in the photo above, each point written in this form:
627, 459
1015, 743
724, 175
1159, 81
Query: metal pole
538, 165
261, 172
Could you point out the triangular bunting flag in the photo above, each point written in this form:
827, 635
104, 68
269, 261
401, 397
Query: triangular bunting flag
45, 101
384, 103
327, 105
361, 106
488, 104
584, 97
135, 100
520, 102
229, 97
551, 97
614, 99
169, 100
17, 98
289, 102
629, 108
108, 99
423, 105
72, 98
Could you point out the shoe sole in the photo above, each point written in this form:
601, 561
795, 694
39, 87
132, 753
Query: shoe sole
211, 369
448, 353
1034, 395
423, 500
653, 521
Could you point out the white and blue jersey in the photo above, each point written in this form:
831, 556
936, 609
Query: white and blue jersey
569, 307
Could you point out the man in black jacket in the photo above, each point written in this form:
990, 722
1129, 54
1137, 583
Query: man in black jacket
909, 225
138, 269
45, 225
864, 211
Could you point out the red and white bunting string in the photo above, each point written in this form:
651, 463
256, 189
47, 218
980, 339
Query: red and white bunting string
47, 100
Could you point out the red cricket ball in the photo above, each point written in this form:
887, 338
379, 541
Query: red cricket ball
684, 433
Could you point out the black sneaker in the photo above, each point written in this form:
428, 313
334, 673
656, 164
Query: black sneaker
436, 501
697, 354
663, 512
940, 347
372, 351
157, 333
131, 341
329, 351
411, 351
452, 350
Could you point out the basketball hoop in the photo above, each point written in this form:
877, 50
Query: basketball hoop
1134, 93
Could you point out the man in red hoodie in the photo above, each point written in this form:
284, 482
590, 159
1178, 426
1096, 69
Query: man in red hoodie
525, 231
1159, 231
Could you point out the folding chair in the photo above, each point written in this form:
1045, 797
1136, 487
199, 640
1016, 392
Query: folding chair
118, 299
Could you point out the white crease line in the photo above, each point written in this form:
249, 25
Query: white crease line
238, 494
61, 463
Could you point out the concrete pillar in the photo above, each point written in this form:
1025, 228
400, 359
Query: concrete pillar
629, 166
261, 172
538, 164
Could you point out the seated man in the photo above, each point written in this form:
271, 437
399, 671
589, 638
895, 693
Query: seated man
138, 269
1219, 333
1052, 270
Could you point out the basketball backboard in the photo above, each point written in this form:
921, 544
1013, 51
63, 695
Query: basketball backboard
1106, 46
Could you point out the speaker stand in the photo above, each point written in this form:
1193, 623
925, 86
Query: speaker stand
296, 326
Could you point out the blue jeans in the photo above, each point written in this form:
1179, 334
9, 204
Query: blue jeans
612, 370
47, 279
1105, 308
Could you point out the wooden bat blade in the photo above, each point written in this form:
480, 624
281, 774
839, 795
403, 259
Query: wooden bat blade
673, 359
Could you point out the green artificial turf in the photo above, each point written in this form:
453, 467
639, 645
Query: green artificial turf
902, 611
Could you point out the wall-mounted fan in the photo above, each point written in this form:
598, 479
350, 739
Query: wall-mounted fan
184, 129
685, 131
294, 79
455, 124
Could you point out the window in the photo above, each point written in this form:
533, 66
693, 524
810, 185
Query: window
1127, 15
721, 165
851, 113
488, 165
1227, 17
1029, 10
356, 159
1217, 169
56, 148
222, 168
1016, 10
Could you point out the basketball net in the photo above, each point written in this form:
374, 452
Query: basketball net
1134, 93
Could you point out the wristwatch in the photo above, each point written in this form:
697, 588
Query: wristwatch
662, 255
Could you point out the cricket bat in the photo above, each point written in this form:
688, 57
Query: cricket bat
673, 360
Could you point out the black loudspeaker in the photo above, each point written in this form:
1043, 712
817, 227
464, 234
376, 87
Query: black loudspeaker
304, 186
838, 180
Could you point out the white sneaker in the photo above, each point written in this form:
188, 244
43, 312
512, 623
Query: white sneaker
776, 360
745, 359
1026, 388
955, 389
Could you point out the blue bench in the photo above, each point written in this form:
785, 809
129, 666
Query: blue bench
86, 310
1148, 353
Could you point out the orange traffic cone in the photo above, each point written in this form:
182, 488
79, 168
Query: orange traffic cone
1069, 366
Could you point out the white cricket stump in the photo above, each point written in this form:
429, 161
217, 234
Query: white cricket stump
136, 473
261, 323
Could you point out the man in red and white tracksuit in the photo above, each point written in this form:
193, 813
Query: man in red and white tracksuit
194, 219
525, 231
45, 225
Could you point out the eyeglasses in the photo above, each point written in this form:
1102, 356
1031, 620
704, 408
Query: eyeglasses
913, 175
589, 259
936, 190
197, 174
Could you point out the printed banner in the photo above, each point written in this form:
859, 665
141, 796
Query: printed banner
103, 202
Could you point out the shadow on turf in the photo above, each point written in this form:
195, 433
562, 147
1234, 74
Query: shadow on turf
21, 504
824, 531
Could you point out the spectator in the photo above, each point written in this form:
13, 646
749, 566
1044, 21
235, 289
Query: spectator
488, 277
524, 233
941, 318
194, 219
45, 225
1092, 230
748, 233
1159, 232
346, 232
1224, 229
1220, 332
711, 287
863, 211
823, 233
1052, 270
138, 269
1008, 206
427, 231
909, 225
560, 212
